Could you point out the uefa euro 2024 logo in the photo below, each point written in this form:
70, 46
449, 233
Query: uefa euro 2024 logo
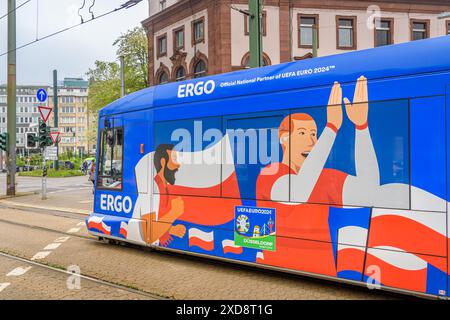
242, 224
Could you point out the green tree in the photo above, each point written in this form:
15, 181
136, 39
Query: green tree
104, 79
133, 46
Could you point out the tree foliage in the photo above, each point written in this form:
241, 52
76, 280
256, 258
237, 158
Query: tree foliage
104, 78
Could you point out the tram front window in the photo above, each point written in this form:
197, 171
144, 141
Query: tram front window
111, 159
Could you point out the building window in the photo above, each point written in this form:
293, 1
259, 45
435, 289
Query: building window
161, 45
180, 74
306, 25
420, 29
200, 69
162, 4
384, 32
263, 22
346, 33
246, 60
198, 31
163, 78
448, 27
178, 38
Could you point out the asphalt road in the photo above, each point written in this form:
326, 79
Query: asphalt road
33, 184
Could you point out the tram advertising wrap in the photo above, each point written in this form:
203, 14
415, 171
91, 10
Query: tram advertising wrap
333, 167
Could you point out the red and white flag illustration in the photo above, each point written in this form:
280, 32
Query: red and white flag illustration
260, 257
228, 246
207, 173
201, 239
123, 229
96, 222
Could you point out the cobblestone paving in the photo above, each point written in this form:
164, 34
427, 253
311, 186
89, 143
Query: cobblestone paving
42, 284
168, 275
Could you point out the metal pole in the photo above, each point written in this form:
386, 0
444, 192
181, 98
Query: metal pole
255, 33
122, 76
55, 113
11, 117
44, 176
315, 38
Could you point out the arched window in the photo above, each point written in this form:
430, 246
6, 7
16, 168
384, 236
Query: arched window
265, 62
200, 69
163, 78
180, 74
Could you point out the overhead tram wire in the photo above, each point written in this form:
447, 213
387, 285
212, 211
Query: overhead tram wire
126, 5
15, 9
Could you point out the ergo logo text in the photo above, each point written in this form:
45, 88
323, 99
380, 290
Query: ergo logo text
116, 204
198, 89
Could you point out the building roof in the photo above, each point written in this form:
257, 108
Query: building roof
424, 56
75, 83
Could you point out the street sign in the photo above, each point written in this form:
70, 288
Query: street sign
41, 95
54, 136
45, 112
51, 153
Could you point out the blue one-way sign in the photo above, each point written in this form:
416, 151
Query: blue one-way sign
41, 95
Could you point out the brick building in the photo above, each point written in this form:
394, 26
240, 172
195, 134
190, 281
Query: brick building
193, 38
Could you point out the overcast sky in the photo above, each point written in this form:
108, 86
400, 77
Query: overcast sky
73, 52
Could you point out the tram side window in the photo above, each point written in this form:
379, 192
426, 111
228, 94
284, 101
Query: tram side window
111, 159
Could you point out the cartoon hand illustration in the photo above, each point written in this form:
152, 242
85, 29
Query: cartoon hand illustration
358, 111
334, 110
178, 206
178, 231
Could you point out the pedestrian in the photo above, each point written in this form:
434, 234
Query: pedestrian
84, 167
92, 175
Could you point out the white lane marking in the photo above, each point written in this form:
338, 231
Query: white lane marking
19, 271
81, 224
85, 201
62, 239
52, 246
73, 230
40, 255
3, 286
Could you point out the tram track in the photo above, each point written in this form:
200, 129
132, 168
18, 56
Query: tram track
84, 277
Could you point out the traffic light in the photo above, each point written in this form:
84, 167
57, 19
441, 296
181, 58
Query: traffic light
4, 141
44, 135
32, 140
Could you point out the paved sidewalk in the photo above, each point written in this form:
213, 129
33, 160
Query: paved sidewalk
78, 200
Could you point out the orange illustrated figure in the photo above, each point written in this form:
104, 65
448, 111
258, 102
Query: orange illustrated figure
303, 236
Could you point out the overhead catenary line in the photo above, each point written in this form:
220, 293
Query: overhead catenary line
127, 5
15, 9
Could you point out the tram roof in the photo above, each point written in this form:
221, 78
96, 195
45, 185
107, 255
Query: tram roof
406, 59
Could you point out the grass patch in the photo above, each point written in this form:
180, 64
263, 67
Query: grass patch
51, 173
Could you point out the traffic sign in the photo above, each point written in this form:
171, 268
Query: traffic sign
41, 95
54, 136
45, 112
51, 153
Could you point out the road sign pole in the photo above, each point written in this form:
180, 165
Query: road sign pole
55, 109
11, 117
44, 176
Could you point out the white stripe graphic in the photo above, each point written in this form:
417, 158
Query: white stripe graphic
402, 260
353, 235
201, 169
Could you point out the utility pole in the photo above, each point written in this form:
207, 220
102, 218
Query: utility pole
255, 33
122, 76
11, 117
55, 112
315, 40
